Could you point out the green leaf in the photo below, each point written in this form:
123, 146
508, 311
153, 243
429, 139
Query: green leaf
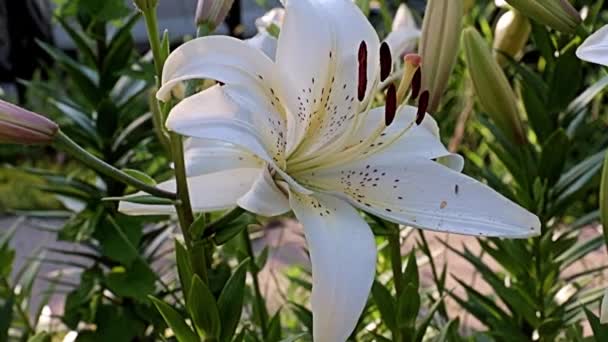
136, 281
81, 226
274, 328
79, 39
600, 332
117, 323
39, 337
385, 304
566, 80
298, 338
174, 320
553, 157
228, 232
410, 275
140, 176
141, 199
203, 310
184, 267
230, 301
262, 258
118, 241
6, 316
408, 306
448, 331
604, 199
303, 315
197, 228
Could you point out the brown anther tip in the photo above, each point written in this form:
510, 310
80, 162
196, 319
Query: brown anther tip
390, 108
413, 59
386, 61
423, 104
416, 83
362, 84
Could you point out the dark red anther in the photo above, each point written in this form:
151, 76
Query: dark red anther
423, 104
362, 85
416, 83
390, 108
386, 61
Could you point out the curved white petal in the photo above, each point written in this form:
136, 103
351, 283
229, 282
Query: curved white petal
303, 57
328, 109
265, 42
595, 48
219, 113
204, 156
402, 41
419, 141
425, 194
265, 198
213, 114
209, 192
343, 256
221, 58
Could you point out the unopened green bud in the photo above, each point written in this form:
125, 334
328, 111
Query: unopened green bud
494, 92
145, 5
558, 14
212, 12
510, 37
20, 126
441, 30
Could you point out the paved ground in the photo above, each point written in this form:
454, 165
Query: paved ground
287, 248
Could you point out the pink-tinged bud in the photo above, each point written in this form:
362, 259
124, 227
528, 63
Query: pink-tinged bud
20, 126
212, 12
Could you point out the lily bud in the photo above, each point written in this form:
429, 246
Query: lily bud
494, 92
441, 31
510, 37
20, 126
145, 5
558, 14
212, 12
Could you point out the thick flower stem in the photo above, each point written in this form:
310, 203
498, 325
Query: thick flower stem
260, 304
66, 144
183, 206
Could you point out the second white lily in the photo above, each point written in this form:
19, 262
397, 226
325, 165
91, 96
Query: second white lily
298, 135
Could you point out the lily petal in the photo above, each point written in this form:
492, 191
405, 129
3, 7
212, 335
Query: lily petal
265, 198
595, 48
402, 41
225, 59
219, 113
212, 114
338, 99
425, 194
303, 57
265, 42
209, 192
204, 156
343, 256
419, 141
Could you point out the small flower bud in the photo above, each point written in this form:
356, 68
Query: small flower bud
441, 31
510, 36
494, 92
558, 14
145, 5
20, 126
212, 12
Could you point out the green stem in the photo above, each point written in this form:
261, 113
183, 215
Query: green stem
216, 225
66, 144
394, 246
20, 311
183, 206
152, 28
260, 304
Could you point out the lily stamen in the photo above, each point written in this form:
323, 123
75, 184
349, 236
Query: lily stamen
386, 61
411, 76
362, 84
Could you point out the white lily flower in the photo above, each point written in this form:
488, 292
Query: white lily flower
595, 48
264, 40
298, 134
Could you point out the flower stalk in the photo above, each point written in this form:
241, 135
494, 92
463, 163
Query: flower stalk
66, 144
183, 206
